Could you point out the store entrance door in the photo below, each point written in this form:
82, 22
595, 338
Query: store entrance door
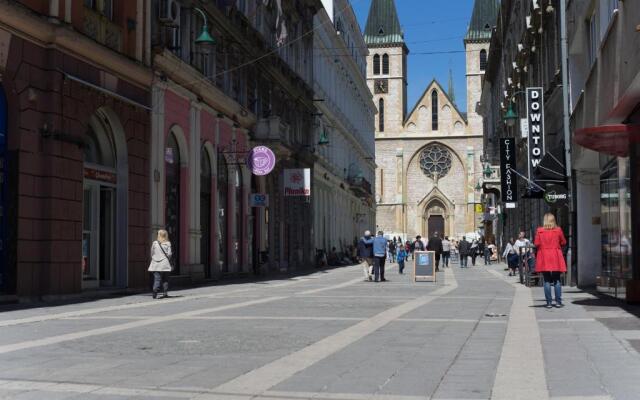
98, 239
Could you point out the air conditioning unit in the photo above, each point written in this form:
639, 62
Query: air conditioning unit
169, 12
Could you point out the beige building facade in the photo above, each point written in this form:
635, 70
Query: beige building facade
428, 159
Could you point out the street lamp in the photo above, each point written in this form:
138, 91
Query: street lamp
510, 117
488, 171
204, 37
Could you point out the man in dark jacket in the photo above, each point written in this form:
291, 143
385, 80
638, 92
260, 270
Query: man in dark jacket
435, 245
365, 254
463, 249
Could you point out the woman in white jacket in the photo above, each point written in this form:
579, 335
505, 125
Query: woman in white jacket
160, 264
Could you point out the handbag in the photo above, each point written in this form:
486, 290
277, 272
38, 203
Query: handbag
170, 259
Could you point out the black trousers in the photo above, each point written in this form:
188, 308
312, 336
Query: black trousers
378, 268
438, 261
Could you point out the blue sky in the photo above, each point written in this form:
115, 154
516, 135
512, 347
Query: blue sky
431, 26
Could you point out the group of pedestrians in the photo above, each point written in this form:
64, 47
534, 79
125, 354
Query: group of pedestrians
372, 251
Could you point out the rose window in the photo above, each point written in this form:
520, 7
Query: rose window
435, 161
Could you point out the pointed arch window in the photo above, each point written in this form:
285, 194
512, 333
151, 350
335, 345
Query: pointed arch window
381, 115
385, 64
434, 110
483, 60
376, 64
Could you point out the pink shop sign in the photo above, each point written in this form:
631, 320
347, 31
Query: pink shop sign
261, 160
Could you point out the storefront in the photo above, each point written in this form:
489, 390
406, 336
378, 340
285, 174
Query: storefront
615, 145
3, 192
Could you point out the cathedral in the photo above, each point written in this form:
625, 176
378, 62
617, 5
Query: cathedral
428, 159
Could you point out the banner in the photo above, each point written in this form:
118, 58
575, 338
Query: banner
508, 179
297, 182
535, 115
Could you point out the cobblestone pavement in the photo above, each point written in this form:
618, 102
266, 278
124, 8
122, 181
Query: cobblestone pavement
475, 334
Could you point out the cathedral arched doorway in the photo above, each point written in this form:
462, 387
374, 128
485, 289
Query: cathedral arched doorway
435, 218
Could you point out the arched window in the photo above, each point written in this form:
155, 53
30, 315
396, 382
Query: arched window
483, 60
434, 110
222, 186
381, 115
376, 64
385, 64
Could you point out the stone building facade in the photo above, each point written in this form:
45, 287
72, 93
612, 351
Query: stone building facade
74, 146
428, 160
344, 145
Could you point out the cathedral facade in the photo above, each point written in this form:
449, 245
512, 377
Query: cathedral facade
428, 159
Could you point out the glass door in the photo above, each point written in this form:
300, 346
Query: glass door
98, 238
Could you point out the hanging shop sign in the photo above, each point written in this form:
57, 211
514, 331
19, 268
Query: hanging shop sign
297, 182
261, 160
556, 196
479, 208
258, 200
535, 115
508, 179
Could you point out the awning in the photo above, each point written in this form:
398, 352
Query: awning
609, 139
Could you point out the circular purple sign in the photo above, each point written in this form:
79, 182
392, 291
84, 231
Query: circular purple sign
261, 160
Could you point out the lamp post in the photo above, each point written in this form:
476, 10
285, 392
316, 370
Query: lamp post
204, 37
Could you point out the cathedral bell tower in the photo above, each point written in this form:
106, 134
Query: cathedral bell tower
386, 66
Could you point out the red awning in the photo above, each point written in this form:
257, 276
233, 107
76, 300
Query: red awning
609, 139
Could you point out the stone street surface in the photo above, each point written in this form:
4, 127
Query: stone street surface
475, 334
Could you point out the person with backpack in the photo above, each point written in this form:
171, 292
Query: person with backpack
160, 265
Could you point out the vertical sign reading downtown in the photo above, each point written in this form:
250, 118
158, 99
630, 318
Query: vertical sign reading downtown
508, 180
535, 115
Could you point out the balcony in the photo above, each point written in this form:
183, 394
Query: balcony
275, 133
102, 30
360, 186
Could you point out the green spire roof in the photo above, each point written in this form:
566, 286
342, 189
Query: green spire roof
483, 19
383, 26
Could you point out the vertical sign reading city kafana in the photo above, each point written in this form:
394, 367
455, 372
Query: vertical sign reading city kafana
535, 115
508, 179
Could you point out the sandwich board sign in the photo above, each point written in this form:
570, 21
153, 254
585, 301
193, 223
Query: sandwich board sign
424, 266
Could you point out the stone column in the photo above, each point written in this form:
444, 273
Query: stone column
195, 233
157, 158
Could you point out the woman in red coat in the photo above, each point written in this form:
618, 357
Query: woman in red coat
549, 258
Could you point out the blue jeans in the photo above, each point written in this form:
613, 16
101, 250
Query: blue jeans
463, 261
401, 266
552, 278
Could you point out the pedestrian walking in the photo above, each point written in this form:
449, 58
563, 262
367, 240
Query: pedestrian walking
408, 246
160, 265
418, 244
435, 245
464, 248
511, 255
446, 251
550, 260
485, 251
402, 256
379, 257
473, 251
392, 251
365, 255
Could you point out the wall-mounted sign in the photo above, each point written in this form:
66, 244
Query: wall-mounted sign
258, 200
556, 196
98, 175
508, 180
479, 208
297, 182
261, 160
535, 115
524, 128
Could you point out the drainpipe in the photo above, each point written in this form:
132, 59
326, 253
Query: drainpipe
567, 136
